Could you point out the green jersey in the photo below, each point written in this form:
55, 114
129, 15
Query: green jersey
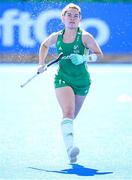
74, 75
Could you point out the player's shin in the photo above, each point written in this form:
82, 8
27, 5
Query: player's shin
67, 132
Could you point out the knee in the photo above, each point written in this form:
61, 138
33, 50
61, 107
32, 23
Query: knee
68, 112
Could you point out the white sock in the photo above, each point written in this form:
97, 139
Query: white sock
67, 132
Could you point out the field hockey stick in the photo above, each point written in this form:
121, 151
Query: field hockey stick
48, 65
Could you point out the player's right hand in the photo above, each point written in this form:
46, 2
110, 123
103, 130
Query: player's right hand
41, 68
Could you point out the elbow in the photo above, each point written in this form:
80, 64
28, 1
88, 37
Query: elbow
43, 45
100, 55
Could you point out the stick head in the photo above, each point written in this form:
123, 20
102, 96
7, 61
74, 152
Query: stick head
21, 85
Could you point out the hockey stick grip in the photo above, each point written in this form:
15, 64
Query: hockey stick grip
56, 60
49, 64
52, 62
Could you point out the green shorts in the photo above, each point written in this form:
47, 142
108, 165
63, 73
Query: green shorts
80, 87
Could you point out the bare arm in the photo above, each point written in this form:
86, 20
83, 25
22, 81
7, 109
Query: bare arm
44, 47
90, 43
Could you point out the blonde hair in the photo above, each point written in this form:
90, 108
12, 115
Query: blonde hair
71, 5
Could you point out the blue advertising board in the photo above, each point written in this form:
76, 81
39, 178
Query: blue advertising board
23, 26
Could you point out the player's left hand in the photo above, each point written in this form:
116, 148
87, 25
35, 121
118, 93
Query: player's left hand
77, 58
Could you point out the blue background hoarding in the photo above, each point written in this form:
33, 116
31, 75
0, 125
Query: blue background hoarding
23, 26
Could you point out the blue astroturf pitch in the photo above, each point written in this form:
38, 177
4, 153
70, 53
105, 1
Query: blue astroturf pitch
31, 145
